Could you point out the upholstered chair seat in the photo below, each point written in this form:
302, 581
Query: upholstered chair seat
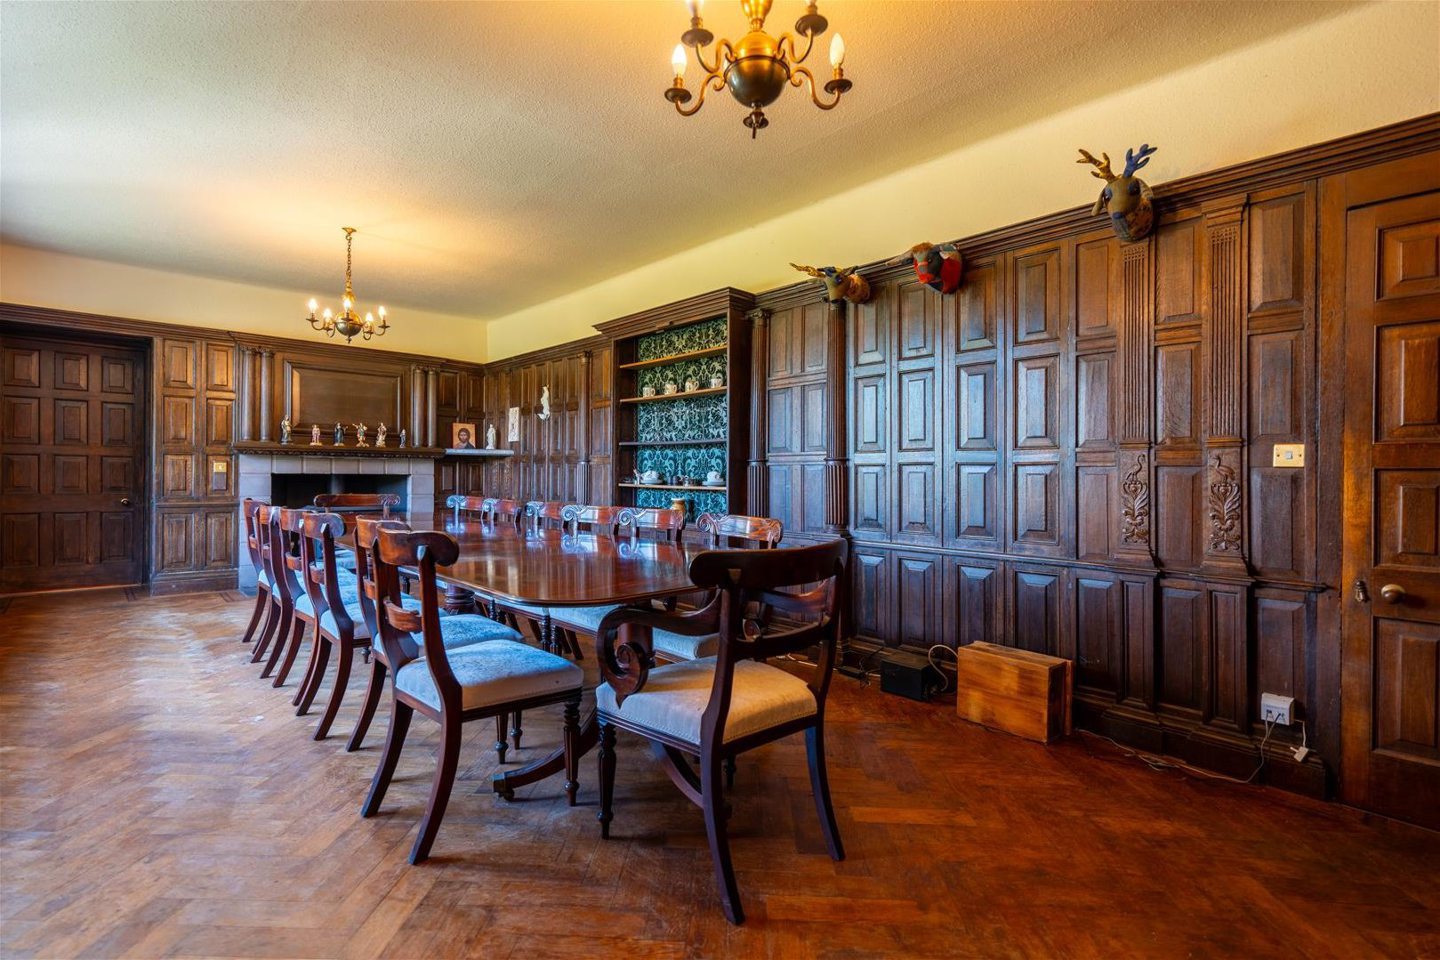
671, 646
502, 671
676, 694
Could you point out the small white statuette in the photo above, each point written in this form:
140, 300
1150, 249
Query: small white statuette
490, 437
314, 434
545, 402
380, 434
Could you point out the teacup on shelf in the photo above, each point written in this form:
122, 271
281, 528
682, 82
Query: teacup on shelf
647, 391
671, 389
692, 385
717, 381
713, 479
650, 476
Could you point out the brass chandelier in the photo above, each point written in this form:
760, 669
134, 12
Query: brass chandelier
758, 67
348, 324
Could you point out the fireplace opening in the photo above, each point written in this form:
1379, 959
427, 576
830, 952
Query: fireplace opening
300, 489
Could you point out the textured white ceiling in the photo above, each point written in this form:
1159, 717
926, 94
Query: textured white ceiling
496, 155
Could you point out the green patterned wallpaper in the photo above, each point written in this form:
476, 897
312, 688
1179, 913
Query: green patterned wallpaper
697, 336
683, 418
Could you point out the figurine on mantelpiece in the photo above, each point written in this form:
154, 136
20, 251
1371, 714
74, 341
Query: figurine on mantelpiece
284, 429
360, 430
490, 437
314, 434
1127, 198
380, 434
403, 438
339, 435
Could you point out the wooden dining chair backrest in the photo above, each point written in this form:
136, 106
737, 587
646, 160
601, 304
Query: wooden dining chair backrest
462, 504
318, 532
733, 530
499, 510
661, 523
289, 567
579, 517
545, 514
422, 551
265, 537
248, 508
358, 501
367, 529
804, 584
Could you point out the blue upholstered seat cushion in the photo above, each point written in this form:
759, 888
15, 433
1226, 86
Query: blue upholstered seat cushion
502, 671
464, 629
672, 646
356, 614
675, 696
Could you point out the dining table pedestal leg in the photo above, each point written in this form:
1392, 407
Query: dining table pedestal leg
548, 766
460, 600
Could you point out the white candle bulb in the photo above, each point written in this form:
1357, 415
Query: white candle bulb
837, 51
381, 311
694, 6
313, 306
677, 59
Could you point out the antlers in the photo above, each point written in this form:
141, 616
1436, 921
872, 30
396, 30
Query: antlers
1134, 161
1102, 166
810, 270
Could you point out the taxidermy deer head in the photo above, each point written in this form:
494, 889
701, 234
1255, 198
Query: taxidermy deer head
1127, 198
938, 266
839, 284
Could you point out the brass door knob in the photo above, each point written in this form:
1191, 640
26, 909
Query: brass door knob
1392, 593
124, 501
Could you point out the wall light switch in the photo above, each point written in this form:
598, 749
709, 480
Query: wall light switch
1288, 455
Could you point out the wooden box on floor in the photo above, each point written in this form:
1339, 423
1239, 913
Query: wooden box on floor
1019, 692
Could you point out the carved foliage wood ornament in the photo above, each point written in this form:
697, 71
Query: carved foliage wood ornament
1127, 198
1224, 509
1135, 504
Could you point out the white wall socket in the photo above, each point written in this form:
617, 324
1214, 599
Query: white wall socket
1276, 709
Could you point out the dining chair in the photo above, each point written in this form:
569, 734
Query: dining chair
248, 506
461, 630
737, 530
452, 686
462, 504
719, 707
500, 510
544, 514
291, 579
660, 523
272, 552
540, 515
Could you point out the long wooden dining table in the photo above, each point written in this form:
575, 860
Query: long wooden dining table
551, 568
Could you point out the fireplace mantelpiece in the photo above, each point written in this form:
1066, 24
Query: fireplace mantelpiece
327, 450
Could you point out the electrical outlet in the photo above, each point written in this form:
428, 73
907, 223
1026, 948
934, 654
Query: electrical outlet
1276, 709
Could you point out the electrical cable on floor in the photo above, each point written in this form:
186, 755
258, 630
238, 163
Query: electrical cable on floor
930, 655
1160, 764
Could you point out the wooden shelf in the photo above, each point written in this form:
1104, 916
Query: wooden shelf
704, 391
298, 449
675, 358
713, 441
482, 452
674, 486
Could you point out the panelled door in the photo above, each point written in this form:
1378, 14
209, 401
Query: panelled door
1391, 645
72, 464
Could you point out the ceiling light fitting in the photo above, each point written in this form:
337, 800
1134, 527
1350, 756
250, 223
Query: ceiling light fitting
757, 68
348, 324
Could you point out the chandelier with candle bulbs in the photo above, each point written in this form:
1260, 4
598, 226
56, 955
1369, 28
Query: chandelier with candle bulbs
348, 324
758, 67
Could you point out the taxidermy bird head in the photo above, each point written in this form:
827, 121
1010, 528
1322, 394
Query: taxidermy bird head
938, 266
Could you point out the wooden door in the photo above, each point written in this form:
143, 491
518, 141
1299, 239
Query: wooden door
1391, 647
72, 464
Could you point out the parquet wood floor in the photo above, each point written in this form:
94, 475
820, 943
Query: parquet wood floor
159, 800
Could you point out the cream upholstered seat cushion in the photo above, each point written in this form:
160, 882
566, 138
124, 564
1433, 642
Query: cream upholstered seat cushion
672, 645
675, 696
502, 671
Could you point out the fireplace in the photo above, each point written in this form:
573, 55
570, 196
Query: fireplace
291, 477
300, 489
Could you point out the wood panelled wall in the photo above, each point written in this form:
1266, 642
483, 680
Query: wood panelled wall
565, 457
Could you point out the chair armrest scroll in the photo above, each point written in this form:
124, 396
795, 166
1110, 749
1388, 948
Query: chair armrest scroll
626, 663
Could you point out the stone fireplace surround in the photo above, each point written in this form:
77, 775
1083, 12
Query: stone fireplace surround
255, 469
